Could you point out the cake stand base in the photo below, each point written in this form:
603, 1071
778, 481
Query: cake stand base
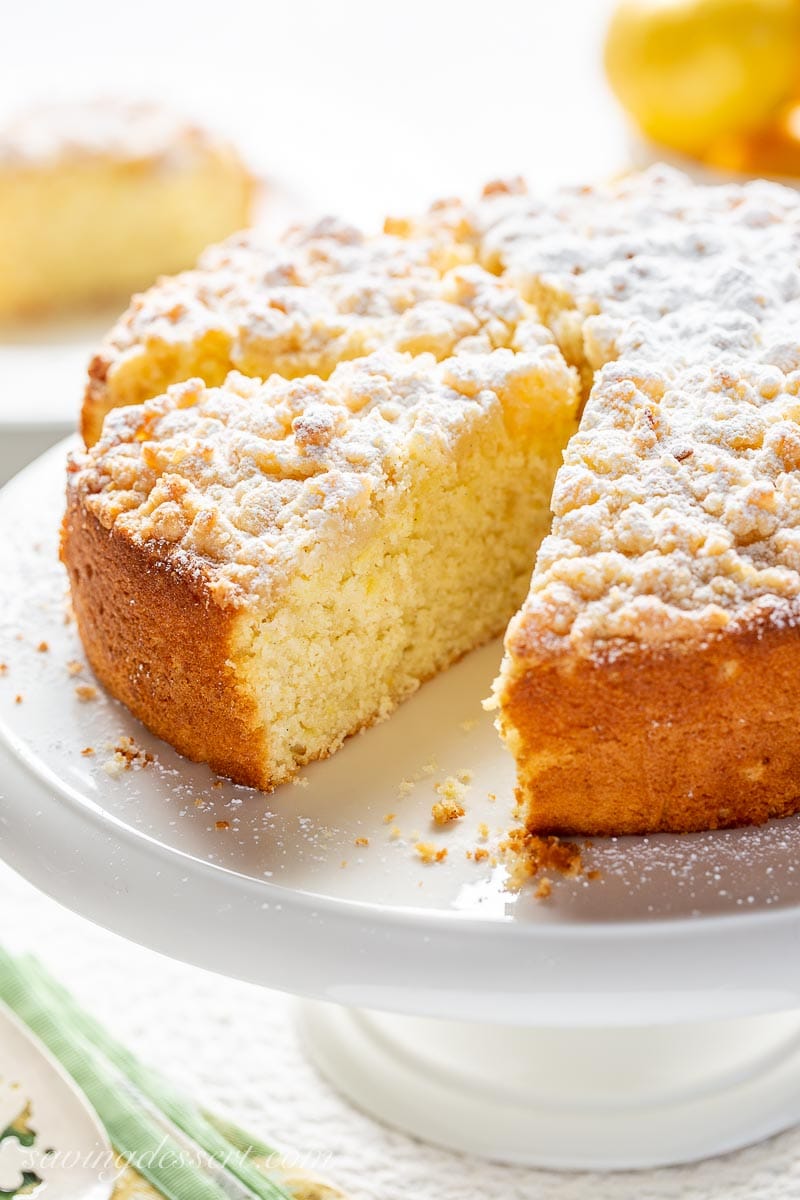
583, 1099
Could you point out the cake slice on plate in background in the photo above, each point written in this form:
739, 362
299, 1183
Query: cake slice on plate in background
97, 199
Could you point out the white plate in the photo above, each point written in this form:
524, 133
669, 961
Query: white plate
692, 926
71, 1153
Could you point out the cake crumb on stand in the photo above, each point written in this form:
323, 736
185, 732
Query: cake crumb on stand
527, 854
126, 756
444, 812
428, 852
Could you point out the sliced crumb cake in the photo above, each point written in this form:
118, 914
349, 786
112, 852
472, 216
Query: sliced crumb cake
652, 675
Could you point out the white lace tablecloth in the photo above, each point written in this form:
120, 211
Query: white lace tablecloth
234, 1046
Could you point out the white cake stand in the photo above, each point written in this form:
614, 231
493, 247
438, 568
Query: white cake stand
644, 1018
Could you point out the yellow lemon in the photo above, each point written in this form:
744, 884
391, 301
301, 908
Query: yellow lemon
773, 151
691, 71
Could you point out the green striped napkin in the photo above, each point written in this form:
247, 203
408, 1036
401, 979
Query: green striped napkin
169, 1146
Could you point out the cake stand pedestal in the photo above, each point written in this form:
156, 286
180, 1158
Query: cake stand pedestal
580, 1099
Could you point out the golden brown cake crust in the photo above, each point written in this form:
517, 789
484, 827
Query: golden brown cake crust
161, 647
690, 737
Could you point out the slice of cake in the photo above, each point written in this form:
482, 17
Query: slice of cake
261, 569
98, 199
322, 295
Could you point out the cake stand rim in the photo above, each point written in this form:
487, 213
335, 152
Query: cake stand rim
423, 960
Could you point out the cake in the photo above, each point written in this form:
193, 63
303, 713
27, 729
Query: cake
651, 677
97, 199
260, 569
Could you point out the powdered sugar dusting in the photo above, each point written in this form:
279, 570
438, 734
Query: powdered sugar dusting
323, 294
678, 507
247, 480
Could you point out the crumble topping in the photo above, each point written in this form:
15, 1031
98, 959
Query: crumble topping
676, 511
677, 508
246, 478
323, 294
